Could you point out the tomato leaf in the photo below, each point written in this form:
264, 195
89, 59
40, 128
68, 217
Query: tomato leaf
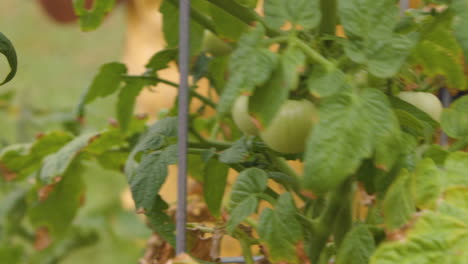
357, 246
250, 183
7, 49
91, 19
445, 237
238, 152
351, 128
322, 83
398, 204
13, 209
454, 120
280, 230
460, 8
105, 83
456, 170
426, 184
250, 66
56, 164
161, 59
227, 26
23, 160
170, 26
150, 175
370, 25
161, 223
214, 183
59, 209
304, 13
439, 54
126, 101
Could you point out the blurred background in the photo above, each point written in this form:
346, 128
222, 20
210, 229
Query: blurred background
56, 63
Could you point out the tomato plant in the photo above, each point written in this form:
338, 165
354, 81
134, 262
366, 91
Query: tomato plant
214, 45
374, 185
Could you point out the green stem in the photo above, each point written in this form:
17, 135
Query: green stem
214, 131
192, 92
202, 228
245, 246
201, 19
326, 221
244, 14
251, 222
314, 55
328, 23
196, 151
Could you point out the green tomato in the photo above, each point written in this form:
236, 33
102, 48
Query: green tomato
290, 128
214, 45
242, 119
426, 102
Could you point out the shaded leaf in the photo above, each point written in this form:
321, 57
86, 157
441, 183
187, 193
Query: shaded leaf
7, 49
426, 184
244, 201
357, 246
56, 164
398, 204
161, 223
454, 120
456, 170
150, 176
161, 59
24, 160
59, 208
460, 8
322, 83
214, 183
126, 101
304, 13
370, 25
250, 65
238, 152
170, 24
280, 230
351, 128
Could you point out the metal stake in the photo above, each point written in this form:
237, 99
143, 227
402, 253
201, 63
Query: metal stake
184, 53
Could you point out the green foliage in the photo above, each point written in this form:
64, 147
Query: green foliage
302, 13
91, 19
250, 65
280, 230
375, 187
455, 119
351, 128
244, 195
214, 179
7, 49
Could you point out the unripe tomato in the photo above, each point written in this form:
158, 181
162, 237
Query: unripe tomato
214, 45
240, 114
426, 102
289, 129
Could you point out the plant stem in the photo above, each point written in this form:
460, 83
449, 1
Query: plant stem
328, 23
245, 246
202, 228
314, 55
192, 92
244, 14
326, 221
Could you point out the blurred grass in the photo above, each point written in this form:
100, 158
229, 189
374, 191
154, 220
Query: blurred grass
56, 63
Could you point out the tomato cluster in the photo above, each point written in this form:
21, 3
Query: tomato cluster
289, 129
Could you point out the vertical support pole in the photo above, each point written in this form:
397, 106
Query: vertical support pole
404, 4
446, 99
184, 53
